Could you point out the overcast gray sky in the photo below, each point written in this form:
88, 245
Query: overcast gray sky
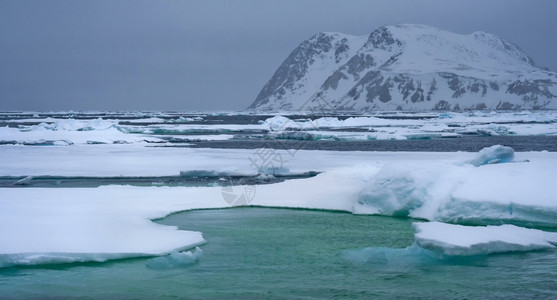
209, 55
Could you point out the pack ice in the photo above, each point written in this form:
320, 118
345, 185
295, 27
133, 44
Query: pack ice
46, 225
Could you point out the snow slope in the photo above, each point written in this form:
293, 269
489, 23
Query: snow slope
306, 68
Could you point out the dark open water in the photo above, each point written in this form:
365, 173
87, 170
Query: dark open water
464, 143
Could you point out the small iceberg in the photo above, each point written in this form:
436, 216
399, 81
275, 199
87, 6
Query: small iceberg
493, 155
278, 123
392, 257
175, 260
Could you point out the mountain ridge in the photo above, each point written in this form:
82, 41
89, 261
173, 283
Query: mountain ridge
408, 67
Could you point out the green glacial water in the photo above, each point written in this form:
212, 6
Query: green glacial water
286, 253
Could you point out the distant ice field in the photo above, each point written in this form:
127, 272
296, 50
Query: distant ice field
443, 131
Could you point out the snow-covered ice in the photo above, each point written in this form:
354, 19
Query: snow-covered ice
31, 217
453, 239
73, 225
454, 191
45, 225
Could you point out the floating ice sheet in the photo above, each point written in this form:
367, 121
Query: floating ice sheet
95, 224
452, 239
49, 225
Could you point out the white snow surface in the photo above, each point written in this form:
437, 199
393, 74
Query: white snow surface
453, 239
479, 54
45, 225
74, 225
322, 64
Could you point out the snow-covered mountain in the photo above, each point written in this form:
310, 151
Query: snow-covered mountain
408, 67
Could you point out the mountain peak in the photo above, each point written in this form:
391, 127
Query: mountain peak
411, 67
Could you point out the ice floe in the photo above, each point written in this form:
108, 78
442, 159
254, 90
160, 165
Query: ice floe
450, 239
74, 225
48, 225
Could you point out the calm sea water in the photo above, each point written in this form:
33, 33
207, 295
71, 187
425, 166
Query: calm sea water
464, 143
286, 253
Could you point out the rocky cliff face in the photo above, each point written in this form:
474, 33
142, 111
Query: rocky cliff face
408, 67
